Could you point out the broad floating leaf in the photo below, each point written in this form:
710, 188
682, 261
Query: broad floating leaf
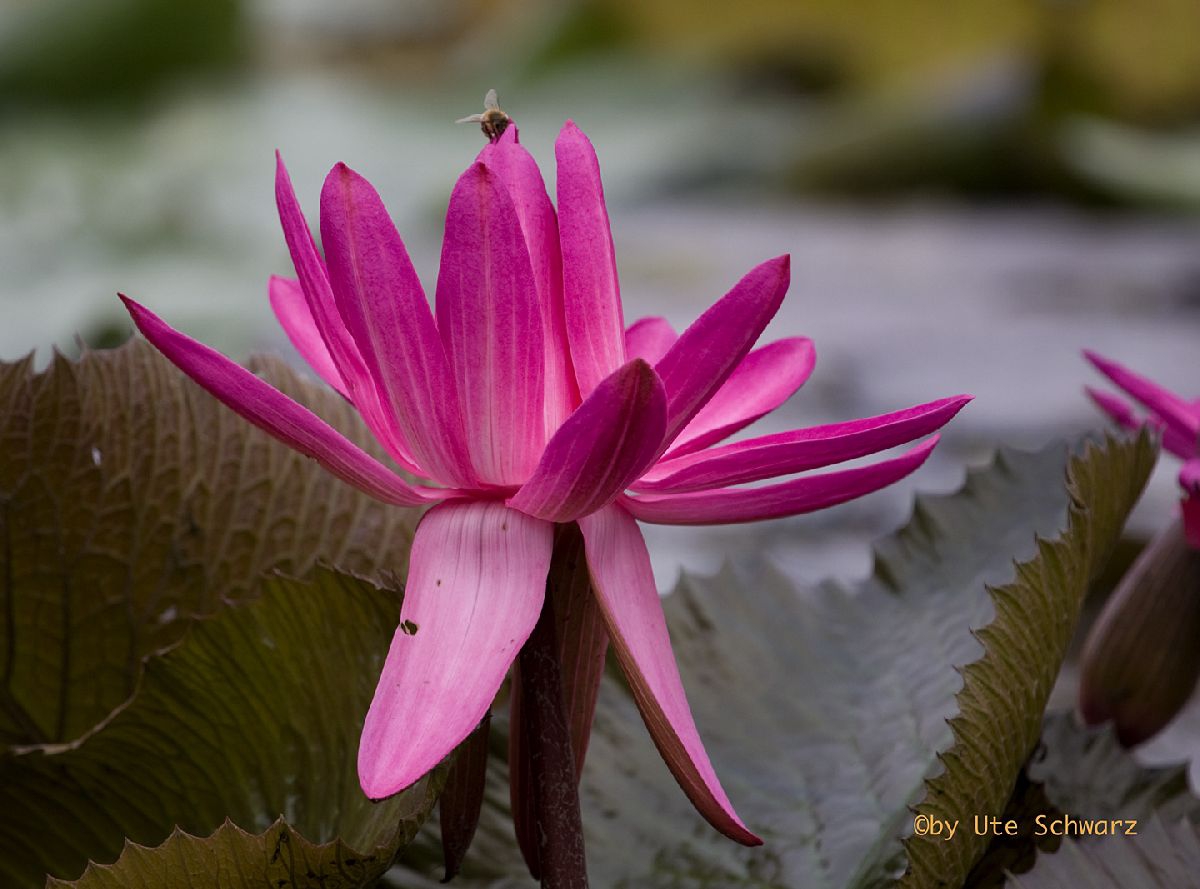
824, 709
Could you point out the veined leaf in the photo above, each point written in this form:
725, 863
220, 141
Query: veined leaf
254, 717
824, 709
130, 501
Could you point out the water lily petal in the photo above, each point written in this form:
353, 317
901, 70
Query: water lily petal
788, 452
649, 339
490, 321
624, 585
383, 306
601, 448
519, 172
764, 380
800, 495
476, 582
708, 351
291, 309
1122, 414
591, 293
314, 282
1178, 415
275, 413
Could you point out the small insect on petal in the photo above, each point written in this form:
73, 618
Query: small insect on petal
493, 122
409, 628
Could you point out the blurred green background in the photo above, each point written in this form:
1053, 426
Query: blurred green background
971, 191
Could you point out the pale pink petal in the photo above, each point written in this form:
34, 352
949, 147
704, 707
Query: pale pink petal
519, 172
649, 339
787, 452
602, 447
1176, 413
807, 494
490, 321
592, 297
1120, 412
314, 282
708, 351
275, 413
476, 582
383, 306
291, 309
624, 585
765, 379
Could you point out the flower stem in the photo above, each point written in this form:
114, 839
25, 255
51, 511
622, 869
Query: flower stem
551, 763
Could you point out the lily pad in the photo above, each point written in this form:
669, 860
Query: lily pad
825, 709
131, 502
254, 717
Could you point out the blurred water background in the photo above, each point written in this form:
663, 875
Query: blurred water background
971, 191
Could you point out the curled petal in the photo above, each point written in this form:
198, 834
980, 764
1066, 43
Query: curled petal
1179, 416
519, 172
490, 321
649, 339
275, 413
383, 306
800, 495
602, 447
624, 585
592, 297
291, 309
476, 582
765, 379
788, 452
708, 351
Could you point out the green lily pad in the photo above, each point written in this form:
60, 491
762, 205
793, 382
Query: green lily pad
253, 717
825, 709
132, 501
1161, 856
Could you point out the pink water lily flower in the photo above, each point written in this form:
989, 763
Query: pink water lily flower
525, 402
1176, 418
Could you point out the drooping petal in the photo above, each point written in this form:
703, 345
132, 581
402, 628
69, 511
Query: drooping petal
383, 306
314, 282
461, 801
1176, 413
787, 452
624, 585
476, 582
764, 380
649, 339
592, 296
601, 448
708, 351
519, 172
1120, 412
490, 321
800, 495
275, 413
291, 309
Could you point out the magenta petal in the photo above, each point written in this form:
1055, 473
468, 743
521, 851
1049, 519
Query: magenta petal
624, 585
800, 495
383, 306
519, 172
602, 447
1173, 440
275, 413
490, 321
591, 294
787, 452
765, 379
649, 339
314, 283
291, 308
476, 582
1176, 413
708, 351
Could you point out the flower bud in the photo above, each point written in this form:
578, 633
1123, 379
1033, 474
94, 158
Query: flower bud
1142, 657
